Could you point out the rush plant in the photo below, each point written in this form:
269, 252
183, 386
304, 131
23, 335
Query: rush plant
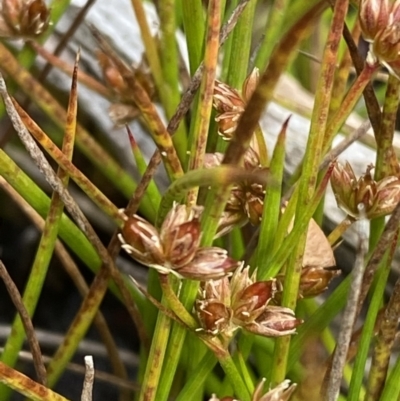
239, 301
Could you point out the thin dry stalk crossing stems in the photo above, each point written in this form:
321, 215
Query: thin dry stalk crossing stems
27, 323
349, 314
73, 271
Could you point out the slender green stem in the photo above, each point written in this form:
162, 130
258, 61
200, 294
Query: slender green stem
195, 381
272, 205
392, 388
368, 330
170, 64
288, 245
236, 380
387, 331
241, 45
175, 304
309, 178
155, 359
273, 31
194, 25
386, 161
150, 45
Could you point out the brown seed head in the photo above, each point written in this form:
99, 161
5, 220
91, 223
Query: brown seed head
230, 104
373, 16
112, 76
218, 290
379, 198
386, 46
214, 316
209, 263
141, 240
180, 235
23, 18
253, 301
315, 280
250, 84
275, 321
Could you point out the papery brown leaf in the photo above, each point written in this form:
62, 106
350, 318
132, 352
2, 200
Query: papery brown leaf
318, 252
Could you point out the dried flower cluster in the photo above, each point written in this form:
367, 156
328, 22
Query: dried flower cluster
224, 305
247, 199
281, 392
378, 197
23, 18
230, 104
380, 24
124, 109
176, 247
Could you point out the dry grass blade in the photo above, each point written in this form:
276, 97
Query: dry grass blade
26, 386
27, 322
81, 180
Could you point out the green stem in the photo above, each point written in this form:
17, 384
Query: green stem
386, 161
241, 45
175, 304
236, 380
387, 331
194, 25
155, 359
195, 381
272, 203
273, 32
170, 64
368, 330
309, 178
